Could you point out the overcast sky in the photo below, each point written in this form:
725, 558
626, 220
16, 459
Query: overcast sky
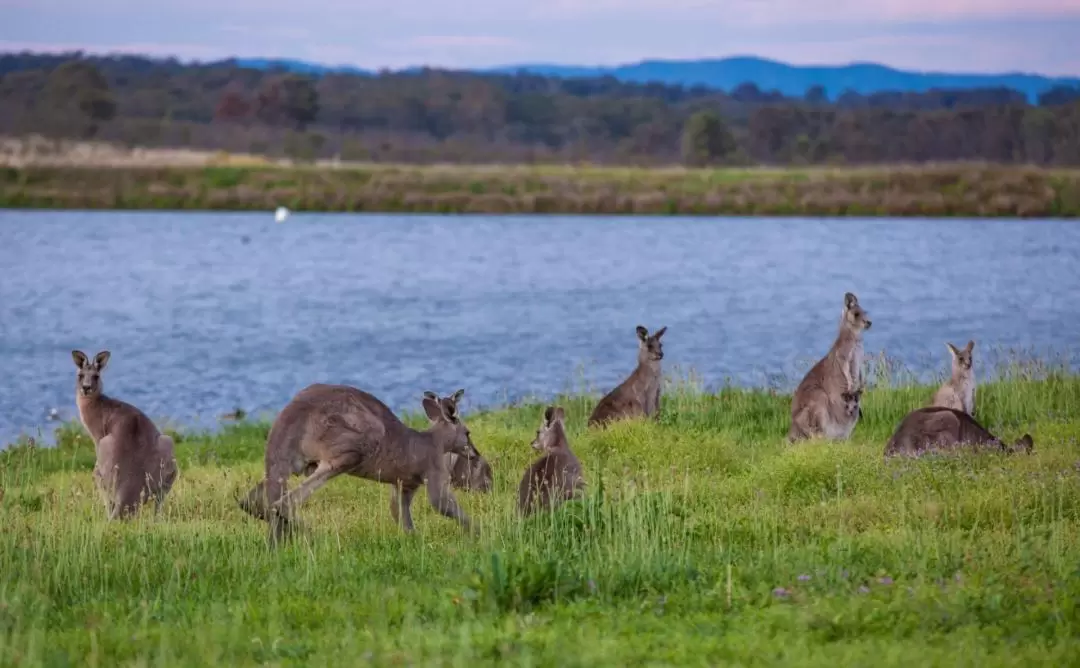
948, 35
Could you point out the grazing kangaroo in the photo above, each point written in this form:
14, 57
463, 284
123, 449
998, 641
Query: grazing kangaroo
818, 406
328, 430
959, 391
936, 428
135, 461
640, 393
556, 476
469, 473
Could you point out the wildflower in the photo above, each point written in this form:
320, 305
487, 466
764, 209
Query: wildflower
780, 592
885, 580
804, 578
864, 589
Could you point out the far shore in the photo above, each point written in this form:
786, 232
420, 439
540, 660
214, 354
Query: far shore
88, 176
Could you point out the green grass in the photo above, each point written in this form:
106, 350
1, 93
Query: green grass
705, 540
929, 190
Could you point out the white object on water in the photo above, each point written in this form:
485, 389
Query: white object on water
281, 214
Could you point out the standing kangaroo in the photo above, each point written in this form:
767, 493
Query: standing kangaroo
936, 428
327, 430
818, 406
135, 461
959, 391
556, 476
640, 393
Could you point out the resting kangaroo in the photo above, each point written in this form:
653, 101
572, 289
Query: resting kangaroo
327, 430
936, 428
556, 476
640, 393
817, 407
959, 391
134, 460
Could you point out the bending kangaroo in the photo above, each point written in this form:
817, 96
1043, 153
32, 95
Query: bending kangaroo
818, 405
556, 476
471, 474
134, 460
327, 430
959, 391
638, 395
936, 428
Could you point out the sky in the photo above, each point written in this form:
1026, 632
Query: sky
1038, 36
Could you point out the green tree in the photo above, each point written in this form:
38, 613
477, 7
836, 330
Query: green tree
288, 99
79, 96
706, 139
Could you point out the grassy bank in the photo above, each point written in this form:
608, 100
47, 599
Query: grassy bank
949, 190
704, 540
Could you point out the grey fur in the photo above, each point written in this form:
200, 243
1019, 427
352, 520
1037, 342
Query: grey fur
937, 429
328, 430
817, 407
959, 391
556, 476
135, 461
639, 394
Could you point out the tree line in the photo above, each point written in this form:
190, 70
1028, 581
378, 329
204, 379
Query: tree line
431, 115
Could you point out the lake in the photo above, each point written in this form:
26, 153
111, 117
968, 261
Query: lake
205, 312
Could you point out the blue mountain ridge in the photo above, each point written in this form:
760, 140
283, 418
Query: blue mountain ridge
728, 73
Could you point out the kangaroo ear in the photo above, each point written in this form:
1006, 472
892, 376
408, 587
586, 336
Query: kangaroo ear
970, 346
557, 415
659, 332
952, 349
642, 333
549, 415
433, 407
850, 300
101, 359
456, 396
80, 358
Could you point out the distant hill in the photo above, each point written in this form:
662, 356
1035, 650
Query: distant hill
727, 73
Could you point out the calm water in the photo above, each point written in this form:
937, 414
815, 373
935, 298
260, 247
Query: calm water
204, 312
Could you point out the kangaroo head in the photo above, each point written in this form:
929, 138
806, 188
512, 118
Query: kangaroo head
88, 379
552, 432
851, 401
854, 318
961, 357
1025, 444
649, 347
443, 414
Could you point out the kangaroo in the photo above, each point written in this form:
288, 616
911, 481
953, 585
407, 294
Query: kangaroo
556, 476
640, 393
818, 407
135, 461
328, 430
959, 391
470, 474
937, 428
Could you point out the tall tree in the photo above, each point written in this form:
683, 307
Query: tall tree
706, 139
78, 94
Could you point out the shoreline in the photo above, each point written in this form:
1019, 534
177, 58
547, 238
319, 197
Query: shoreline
944, 191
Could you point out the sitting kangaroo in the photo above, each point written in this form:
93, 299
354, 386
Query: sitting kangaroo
959, 391
556, 476
134, 460
327, 430
936, 428
638, 395
818, 406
